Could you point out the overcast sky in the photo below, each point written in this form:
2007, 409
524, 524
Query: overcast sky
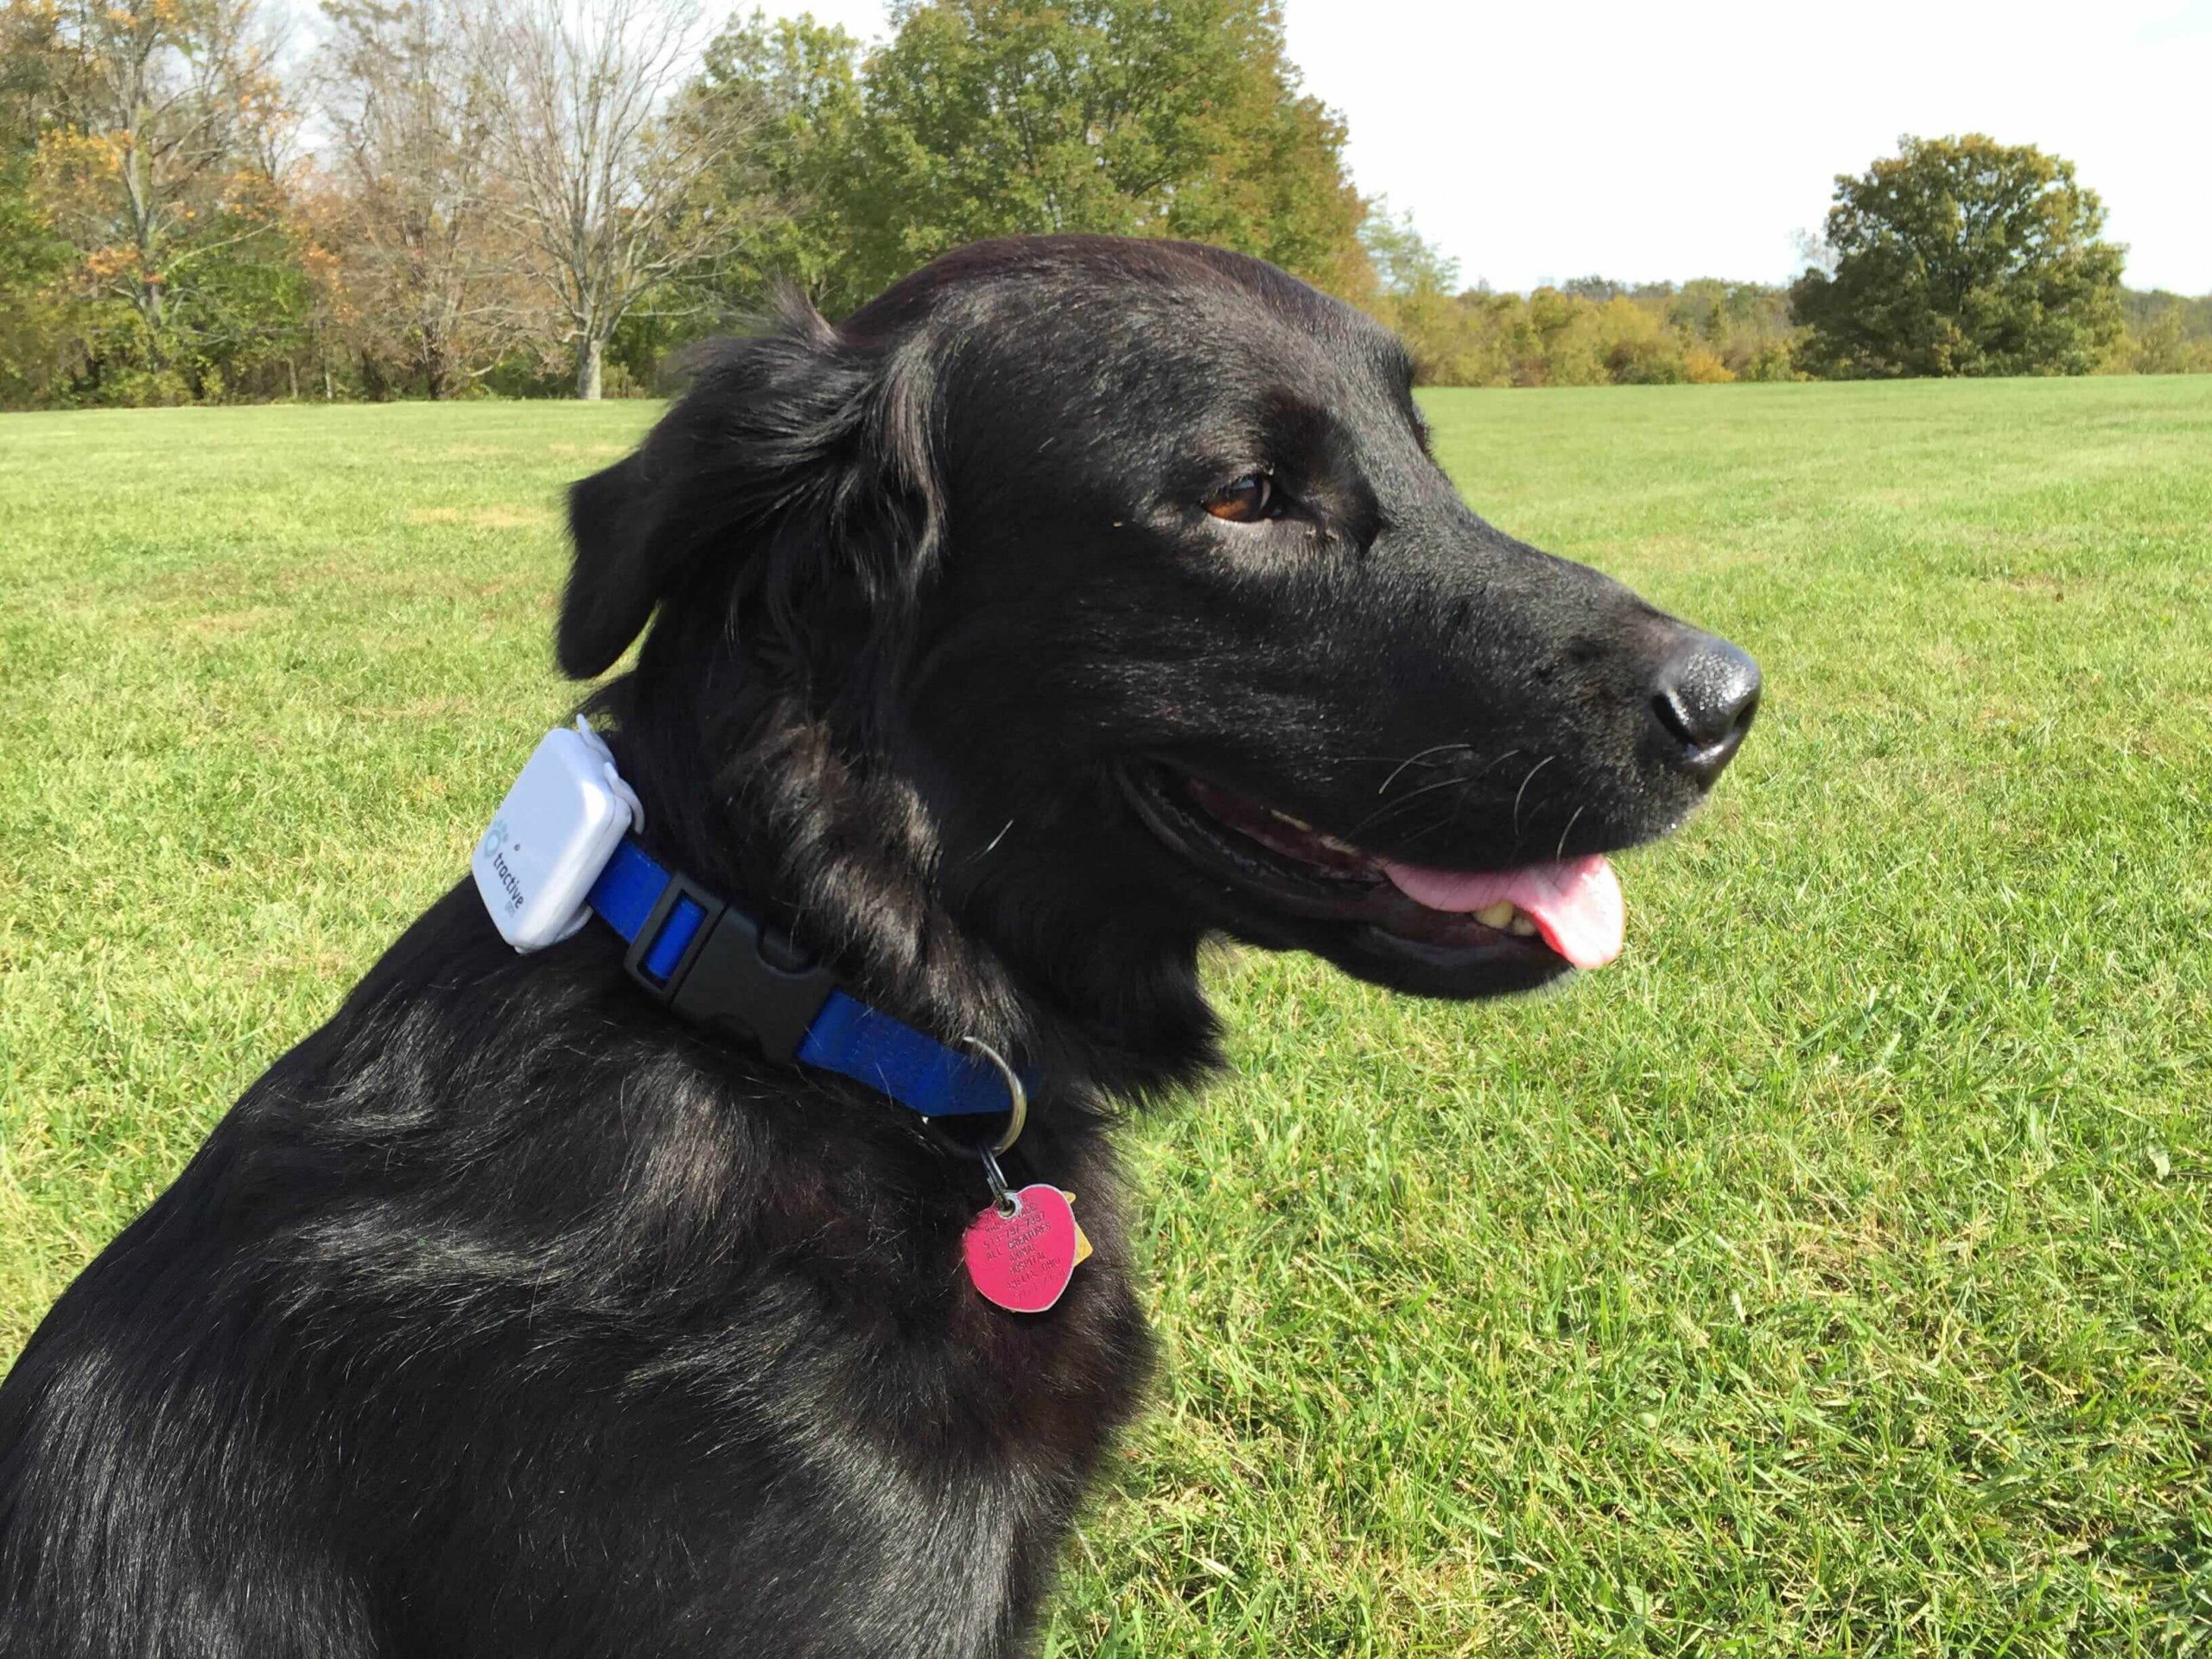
1537, 142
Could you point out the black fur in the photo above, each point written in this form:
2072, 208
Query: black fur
507, 1315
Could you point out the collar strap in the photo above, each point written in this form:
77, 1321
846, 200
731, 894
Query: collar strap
713, 963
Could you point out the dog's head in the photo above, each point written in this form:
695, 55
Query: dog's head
1127, 562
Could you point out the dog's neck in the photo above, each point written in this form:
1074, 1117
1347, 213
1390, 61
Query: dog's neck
779, 807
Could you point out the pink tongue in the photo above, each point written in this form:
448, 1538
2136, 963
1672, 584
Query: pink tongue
1575, 906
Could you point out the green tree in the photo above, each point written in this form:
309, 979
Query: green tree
794, 86
1415, 283
992, 118
1275, 183
1962, 256
1405, 262
33, 255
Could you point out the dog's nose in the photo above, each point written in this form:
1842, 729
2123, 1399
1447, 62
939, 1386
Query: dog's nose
1704, 699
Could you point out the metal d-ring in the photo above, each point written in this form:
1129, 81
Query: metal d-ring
1015, 1092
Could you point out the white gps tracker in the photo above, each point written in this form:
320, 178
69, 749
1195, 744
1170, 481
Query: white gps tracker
551, 837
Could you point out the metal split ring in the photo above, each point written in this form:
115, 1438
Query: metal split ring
1015, 1092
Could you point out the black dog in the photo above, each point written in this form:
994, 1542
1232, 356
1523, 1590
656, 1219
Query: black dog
1075, 600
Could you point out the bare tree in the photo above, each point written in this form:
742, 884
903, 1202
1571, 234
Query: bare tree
601, 170
425, 253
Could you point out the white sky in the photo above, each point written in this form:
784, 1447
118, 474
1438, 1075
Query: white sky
1539, 142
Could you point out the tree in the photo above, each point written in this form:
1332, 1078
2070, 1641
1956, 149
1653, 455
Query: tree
1416, 283
994, 118
162, 136
1962, 256
2166, 333
792, 87
602, 187
429, 273
1275, 185
34, 257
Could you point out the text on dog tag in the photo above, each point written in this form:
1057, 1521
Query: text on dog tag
1023, 1262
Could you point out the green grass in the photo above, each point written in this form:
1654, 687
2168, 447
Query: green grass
1833, 1275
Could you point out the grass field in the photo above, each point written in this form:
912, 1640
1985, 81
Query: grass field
1833, 1275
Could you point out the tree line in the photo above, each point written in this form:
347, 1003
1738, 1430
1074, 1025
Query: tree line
435, 198
1957, 256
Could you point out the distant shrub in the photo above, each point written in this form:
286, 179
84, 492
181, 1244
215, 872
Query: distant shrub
1589, 332
1701, 367
1595, 333
2162, 333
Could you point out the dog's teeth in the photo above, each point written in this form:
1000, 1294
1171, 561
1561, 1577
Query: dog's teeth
1295, 824
1334, 845
1521, 927
1496, 915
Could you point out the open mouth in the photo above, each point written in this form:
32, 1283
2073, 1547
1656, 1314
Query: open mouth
1570, 910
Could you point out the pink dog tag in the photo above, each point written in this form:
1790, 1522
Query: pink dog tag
1023, 1262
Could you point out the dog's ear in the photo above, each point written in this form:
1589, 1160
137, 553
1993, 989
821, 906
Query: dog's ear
797, 467
616, 579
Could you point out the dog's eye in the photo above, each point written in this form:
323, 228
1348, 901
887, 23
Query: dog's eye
1247, 501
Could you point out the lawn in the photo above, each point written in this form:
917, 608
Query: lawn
1831, 1275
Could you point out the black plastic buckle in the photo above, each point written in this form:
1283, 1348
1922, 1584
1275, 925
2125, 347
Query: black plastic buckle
726, 979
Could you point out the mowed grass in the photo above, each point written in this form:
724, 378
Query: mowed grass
1831, 1275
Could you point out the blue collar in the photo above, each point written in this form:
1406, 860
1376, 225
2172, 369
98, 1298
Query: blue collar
716, 964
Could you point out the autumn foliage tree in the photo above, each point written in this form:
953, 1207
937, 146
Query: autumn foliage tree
161, 135
1962, 256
